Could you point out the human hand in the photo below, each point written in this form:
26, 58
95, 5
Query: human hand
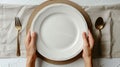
30, 45
88, 46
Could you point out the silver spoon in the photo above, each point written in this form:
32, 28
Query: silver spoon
99, 25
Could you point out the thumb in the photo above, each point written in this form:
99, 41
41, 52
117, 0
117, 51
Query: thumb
33, 39
85, 40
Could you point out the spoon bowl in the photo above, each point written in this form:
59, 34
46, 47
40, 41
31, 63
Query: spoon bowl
99, 23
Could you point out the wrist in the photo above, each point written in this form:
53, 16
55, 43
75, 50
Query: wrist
87, 58
30, 62
31, 59
88, 61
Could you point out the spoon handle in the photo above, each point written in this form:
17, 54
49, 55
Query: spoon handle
100, 35
99, 43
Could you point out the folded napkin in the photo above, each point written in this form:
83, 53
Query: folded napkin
8, 32
103, 49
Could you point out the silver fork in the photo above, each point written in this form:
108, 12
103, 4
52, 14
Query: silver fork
18, 27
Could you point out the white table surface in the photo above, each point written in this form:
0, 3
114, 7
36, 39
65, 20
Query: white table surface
20, 62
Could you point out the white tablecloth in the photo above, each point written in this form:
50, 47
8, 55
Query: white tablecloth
21, 62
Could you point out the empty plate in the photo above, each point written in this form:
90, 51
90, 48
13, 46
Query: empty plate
59, 27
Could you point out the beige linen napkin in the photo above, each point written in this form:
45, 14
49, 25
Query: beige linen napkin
8, 32
103, 49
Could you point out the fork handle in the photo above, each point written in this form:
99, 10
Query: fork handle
18, 44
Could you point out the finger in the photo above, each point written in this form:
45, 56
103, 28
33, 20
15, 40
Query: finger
85, 40
28, 39
91, 39
33, 39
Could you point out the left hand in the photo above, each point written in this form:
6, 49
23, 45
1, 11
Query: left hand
30, 45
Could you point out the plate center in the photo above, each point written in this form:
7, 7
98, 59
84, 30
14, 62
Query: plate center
58, 31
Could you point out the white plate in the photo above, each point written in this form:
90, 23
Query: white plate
59, 28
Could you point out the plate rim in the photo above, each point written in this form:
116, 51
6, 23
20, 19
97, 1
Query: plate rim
76, 52
38, 8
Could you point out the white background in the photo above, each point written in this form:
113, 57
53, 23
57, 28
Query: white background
20, 62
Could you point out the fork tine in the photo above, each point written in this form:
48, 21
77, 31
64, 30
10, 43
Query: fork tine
17, 21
